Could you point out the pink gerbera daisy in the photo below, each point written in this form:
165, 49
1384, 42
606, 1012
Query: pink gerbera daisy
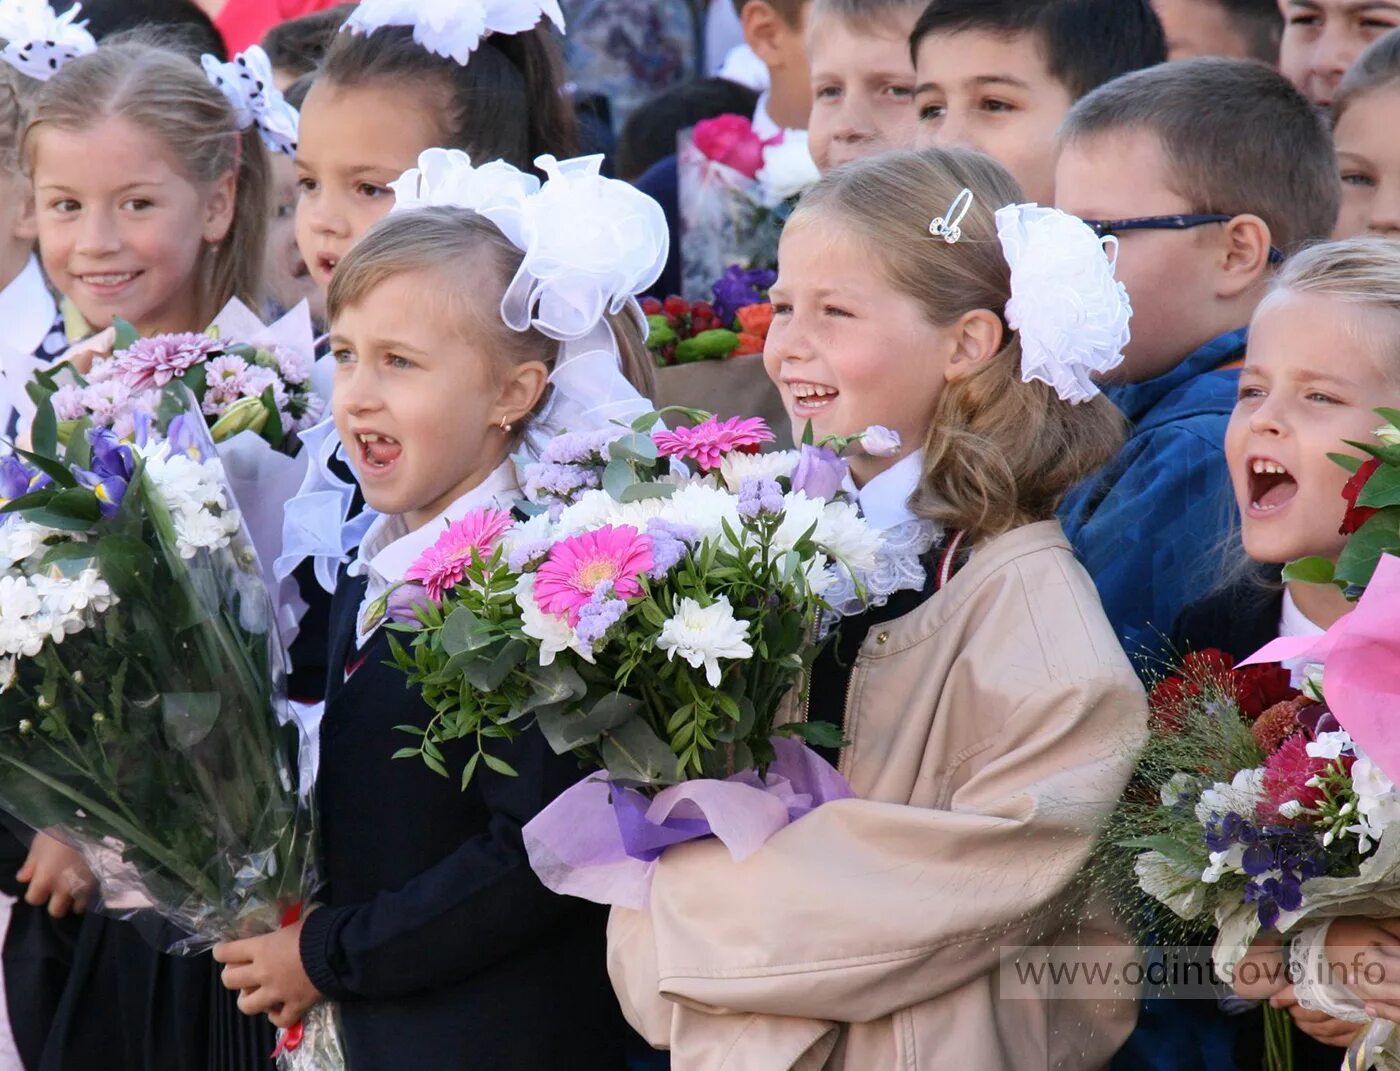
707, 443
443, 565
576, 566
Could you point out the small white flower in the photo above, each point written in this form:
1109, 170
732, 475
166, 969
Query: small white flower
18, 598
8, 673
1329, 745
1312, 682
702, 635
1388, 434
594, 509
735, 466
1378, 800
1180, 785
1242, 796
1222, 863
25, 726
1290, 809
788, 168
19, 539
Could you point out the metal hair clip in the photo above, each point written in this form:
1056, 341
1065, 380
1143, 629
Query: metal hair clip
949, 225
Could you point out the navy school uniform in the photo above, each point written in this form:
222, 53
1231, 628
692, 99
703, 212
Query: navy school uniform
441, 945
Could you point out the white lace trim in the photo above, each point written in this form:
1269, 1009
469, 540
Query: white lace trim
898, 567
1307, 954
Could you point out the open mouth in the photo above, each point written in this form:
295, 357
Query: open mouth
107, 281
811, 397
326, 263
378, 453
1271, 486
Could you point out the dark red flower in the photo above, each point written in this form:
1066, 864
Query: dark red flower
1212, 665
676, 306
1356, 515
1169, 700
652, 307
1257, 688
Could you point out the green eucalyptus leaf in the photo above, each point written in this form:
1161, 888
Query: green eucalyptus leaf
457, 631
638, 491
617, 478
566, 727
637, 446
634, 755
486, 676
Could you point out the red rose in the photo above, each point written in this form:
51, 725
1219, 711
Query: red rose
1257, 688
1168, 701
730, 140
1212, 665
1356, 515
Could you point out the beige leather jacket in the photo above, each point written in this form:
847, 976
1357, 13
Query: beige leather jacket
989, 732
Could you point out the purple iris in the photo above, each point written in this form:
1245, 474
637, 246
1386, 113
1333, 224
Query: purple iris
819, 472
15, 477
738, 288
186, 436
113, 462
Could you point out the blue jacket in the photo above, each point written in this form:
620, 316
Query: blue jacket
1151, 525
661, 182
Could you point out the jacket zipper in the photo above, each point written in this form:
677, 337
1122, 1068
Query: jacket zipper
846, 719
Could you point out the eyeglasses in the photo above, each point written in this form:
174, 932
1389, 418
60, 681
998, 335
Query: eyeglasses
1105, 228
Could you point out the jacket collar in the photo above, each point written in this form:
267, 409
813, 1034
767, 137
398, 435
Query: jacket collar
1136, 400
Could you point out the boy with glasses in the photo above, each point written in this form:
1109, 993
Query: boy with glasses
1205, 173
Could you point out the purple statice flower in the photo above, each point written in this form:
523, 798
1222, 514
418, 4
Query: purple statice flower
669, 544
595, 617
580, 447
819, 473
546, 480
758, 495
154, 362
739, 288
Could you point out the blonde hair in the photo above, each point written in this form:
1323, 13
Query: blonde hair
1376, 68
999, 452
166, 94
16, 99
442, 240
1360, 271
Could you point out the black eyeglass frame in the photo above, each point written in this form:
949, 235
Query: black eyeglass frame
1106, 228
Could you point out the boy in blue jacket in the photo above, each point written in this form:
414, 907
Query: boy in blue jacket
1206, 172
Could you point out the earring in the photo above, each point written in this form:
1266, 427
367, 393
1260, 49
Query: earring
505, 427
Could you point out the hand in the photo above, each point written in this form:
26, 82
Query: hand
57, 876
81, 354
1317, 1025
1261, 972
268, 973
1364, 955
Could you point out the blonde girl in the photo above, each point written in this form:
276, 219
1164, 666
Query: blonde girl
990, 717
1367, 154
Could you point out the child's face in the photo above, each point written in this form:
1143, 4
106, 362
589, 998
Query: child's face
353, 142
1368, 155
1168, 274
125, 238
782, 47
846, 349
1313, 377
417, 406
993, 93
1200, 28
288, 280
862, 89
1322, 38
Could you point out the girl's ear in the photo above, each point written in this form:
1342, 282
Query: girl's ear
219, 207
976, 338
521, 389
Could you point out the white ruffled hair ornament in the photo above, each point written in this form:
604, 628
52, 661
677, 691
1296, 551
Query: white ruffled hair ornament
1071, 312
589, 245
246, 83
454, 28
37, 41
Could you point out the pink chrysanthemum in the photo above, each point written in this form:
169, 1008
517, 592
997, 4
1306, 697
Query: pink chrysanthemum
154, 362
707, 443
576, 566
443, 565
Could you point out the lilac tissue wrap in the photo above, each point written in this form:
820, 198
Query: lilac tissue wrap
602, 844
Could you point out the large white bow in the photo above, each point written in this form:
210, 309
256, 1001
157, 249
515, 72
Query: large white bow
246, 83
38, 42
1070, 310
453, 28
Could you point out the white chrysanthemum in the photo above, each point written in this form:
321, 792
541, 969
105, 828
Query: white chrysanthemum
19, 539
800, 515
702, 635
735, 466
704, 510
199, 529
537, 529
1170, 883
183, 482
64, 596
551, 630
1241, 796
844, 534
18, 598
593, 509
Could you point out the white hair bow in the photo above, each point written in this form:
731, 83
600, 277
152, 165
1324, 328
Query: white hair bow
38, 42
1071, 312
589, 244
246, 83
453, 28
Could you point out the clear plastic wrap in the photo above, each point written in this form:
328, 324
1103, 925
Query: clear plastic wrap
143, 716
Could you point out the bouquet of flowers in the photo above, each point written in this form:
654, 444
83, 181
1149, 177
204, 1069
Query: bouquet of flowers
141, 712
652, 622
735, 324
253, 385
736, 192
